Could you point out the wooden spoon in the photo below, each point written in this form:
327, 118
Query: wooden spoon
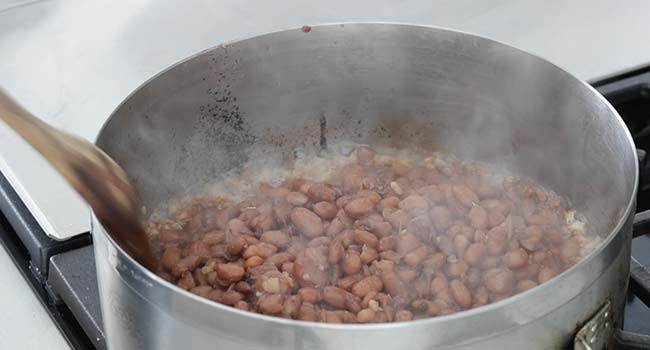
99, 180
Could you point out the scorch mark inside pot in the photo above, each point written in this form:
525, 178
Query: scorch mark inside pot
379, 239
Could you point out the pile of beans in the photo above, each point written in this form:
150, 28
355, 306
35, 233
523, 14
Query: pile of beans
380, 241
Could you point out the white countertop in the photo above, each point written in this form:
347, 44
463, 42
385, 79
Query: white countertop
72, 62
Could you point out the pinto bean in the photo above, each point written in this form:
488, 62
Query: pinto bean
499, 281
296, 198
461, 294
359, 207
440, 217
307, 222
276, 237
393, 284
351, 262
365, 237
325, 210
515, 259
321, 192
367, 285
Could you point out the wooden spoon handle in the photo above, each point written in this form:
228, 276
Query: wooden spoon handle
91, 172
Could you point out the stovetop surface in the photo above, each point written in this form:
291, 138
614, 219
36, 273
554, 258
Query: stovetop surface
62, 274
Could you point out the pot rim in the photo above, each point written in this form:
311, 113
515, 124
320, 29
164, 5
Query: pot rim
544, 288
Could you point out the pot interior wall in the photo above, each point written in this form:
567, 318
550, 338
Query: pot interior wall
383, 85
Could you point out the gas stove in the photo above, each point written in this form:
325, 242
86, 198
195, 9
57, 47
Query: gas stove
62, 273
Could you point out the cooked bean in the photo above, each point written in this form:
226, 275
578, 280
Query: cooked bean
461, 243
243, 287
230, 272
170, 257
456, 267
365, 315
348, 281
481, 296
214, 237
201, 291
310, 268
168, 235
388, 202
474, 254
309, 295
321, 192
416, 256
403, 315
274, 282
515, 259
368, 254
325, 210
307, 222
359, 207
386, 243
407, 243
351, 262
236, 246
465, 195
525, 285
279, 259
440, 217
500, 281
270, 304
545, 274
308, 312
186, 281
253, 261
496, 240
276, 237
319, 242
397, 218
406, 274
188, 263
335, 253
414, 201
461, 294
335, 296
367, 285
392, 283
263, 250
478, 217
231, 297
296, 198
364, 237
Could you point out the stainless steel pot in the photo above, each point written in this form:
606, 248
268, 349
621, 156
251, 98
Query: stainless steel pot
381, 84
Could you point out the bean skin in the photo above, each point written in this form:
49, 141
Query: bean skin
296, 198
516, 259
351, 262
461, 294
440, 217
307, 222
367, 285
277, 238
359, 207
474, 254
325, 210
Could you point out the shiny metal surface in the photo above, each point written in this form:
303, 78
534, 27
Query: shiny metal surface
74, 78
382, 84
